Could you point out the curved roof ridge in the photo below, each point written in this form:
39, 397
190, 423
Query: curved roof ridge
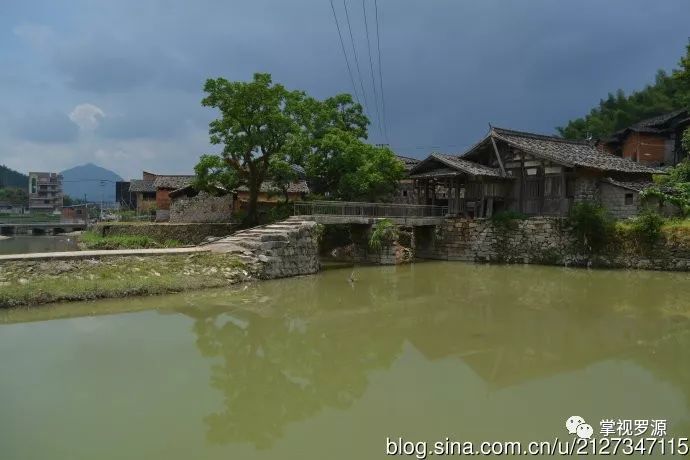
512, 132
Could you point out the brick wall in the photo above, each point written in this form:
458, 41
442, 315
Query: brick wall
649, 149
163, 199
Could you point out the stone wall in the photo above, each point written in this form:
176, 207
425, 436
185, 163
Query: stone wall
184, 233
201, 208
586, 188
280, 250
613, 198
540, 240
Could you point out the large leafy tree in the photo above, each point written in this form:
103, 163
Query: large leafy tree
264, 129
255, 125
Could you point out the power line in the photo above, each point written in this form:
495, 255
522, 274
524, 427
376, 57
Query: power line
371, 67
354, 52
347, 62
378, 46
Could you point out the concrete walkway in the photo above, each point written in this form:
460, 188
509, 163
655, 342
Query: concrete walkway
102, 253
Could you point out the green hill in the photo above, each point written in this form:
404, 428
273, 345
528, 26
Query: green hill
617, 111
11, 178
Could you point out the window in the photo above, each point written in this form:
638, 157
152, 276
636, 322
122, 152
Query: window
628, 199
552, 186
404, 192
33, 185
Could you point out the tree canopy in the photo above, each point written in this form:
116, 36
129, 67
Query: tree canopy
617, 111
265, 129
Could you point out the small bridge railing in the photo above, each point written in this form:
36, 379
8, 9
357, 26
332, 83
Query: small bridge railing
356, 209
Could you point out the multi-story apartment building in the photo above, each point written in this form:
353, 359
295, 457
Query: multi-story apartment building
45, 192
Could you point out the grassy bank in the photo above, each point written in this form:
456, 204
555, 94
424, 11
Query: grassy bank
38, 282
92, 240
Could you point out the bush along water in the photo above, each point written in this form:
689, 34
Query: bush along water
383, 232
592, 227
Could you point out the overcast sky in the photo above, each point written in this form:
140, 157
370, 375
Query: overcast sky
119, 83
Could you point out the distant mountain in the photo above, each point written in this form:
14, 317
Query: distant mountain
93, 181
11, 178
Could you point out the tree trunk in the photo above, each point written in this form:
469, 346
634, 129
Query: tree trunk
252, 211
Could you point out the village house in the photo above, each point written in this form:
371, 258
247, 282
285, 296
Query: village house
78, 212
529, 173
164, 184
270, 194
141, 194
187, 204
45, 192
655, 141
405, 193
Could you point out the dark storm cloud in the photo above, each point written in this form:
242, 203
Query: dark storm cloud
52, 127
449, 66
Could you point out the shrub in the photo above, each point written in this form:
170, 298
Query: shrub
592, 227
384, 231
93, 240
646, 228
506, 219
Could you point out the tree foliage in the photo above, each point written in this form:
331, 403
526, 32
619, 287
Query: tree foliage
673, 188
15, 196
264, 129
617, 111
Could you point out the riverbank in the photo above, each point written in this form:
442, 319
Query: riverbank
267, 252
34, 282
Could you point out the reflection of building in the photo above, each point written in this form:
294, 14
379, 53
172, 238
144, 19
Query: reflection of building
45, 192
532, 174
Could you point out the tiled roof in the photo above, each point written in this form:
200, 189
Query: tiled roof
191, 191
466, 166
440, 172
569, 152
172, 182
408, 162
138, 185
636, 186
269, 187
659, 121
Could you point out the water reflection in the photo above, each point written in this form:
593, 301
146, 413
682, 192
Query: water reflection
285, 351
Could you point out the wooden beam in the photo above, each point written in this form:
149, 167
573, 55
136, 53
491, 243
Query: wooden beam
498, 155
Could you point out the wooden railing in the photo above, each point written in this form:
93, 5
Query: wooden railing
356, 209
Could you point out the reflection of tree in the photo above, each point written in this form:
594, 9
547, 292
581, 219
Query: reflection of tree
283, 351
278, 365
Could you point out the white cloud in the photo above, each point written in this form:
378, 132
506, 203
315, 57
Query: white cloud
87, 116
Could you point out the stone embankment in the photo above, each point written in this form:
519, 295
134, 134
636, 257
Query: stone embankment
540, 240
280, 250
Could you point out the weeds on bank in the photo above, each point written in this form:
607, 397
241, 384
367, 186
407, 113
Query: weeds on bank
92, 240
35, 282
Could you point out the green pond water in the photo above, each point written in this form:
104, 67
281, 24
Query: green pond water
319, 368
